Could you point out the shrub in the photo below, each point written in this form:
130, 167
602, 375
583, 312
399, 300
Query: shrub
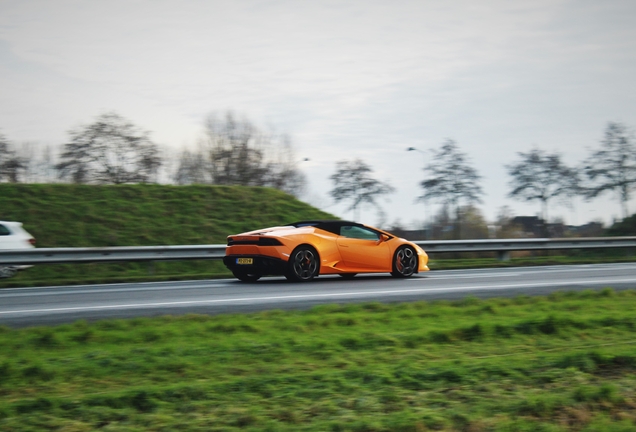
142, 402
438, 337
471, 333
29, 406
503, 331
83, 336
37, 373
45, 338
605, 393
5, 371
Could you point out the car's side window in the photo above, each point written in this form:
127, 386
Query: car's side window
4, 230
358, 233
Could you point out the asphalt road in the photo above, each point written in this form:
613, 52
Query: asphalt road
20, 307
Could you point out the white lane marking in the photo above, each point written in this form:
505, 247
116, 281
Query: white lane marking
72, 288
503, 272
109, 290
540, 268
584, 282
434, 276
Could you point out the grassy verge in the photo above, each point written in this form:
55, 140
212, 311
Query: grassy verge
558, 363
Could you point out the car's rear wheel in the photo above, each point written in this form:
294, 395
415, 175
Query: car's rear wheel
348, 275
245, 276
303, 264
404, 262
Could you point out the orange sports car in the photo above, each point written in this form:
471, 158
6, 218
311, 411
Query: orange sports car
304, 250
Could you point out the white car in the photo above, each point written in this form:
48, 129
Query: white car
13, 236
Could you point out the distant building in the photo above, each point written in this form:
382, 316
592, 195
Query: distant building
525, 227
412, 235
531, 226
590, 229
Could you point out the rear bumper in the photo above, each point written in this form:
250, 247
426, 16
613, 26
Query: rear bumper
262, 265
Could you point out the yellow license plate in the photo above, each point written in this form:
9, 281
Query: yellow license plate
245, 260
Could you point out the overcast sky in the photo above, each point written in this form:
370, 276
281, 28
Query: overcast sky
356, 79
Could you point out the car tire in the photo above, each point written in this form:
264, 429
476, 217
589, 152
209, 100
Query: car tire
404, 262
7, 272
246, 277
347, 275
303, 264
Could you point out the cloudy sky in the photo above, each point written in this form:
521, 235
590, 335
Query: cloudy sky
356, 79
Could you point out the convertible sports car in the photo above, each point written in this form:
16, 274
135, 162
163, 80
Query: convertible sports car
304, 250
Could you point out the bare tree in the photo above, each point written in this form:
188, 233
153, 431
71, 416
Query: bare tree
451, 180
236, 152
540, 176
613, 167
353, 182
109, 151
26, 152
283, 172
191, 169
37, 163
45, 167
12, 169
474, 225
11, 165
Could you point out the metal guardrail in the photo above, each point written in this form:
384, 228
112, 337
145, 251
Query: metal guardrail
502, 247
109, 254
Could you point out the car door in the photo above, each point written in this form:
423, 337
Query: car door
363, 248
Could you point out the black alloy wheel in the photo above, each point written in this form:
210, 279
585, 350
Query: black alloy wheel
404, 262
303, 264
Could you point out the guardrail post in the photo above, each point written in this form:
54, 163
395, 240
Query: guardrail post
503, 255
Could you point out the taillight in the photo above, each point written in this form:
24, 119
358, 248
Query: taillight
32, 241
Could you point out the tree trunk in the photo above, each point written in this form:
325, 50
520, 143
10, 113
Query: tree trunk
624, 199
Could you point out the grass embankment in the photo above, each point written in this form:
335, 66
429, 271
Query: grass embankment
560, 363
60, 215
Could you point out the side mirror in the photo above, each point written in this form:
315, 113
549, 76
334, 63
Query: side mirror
384, 237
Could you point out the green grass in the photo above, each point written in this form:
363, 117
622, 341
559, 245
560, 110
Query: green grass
62, 215
565, 362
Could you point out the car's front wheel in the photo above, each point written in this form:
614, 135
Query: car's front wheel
7, 272
246, 277
404, 262
303, 264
